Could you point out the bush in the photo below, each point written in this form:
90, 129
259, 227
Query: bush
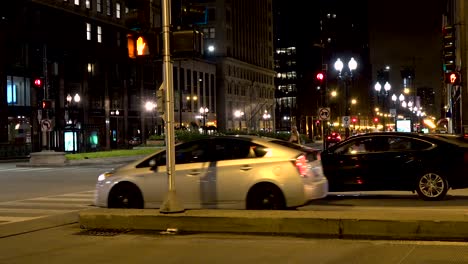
185, 135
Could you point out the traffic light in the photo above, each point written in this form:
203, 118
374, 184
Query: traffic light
320, 77
452, 78
38, 82
449, 48
354, 120
376, 119
46, 104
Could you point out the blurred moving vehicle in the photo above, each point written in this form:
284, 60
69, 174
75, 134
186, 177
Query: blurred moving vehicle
427, 164
235, 172
134, 141
332, 139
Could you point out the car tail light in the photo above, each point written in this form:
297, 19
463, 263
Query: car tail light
301, 165
328, 137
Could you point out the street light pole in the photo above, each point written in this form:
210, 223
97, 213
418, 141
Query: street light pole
204, 113
346, 78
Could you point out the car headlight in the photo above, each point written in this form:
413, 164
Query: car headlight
104, 176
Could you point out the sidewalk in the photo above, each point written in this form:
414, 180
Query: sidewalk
333, 222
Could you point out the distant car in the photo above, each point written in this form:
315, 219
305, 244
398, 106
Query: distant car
428, 164
333, 138
134, 141
229, 172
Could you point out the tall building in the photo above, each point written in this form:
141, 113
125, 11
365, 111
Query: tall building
308, 43
239, 40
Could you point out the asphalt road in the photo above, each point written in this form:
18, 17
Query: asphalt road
68, 244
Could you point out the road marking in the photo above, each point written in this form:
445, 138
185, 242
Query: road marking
40, 207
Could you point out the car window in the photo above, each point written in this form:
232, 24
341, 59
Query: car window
228, 149
357, 146
159, 159
190, 152
402, 143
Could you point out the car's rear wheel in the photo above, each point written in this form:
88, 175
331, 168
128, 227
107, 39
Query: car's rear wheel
125, 195
265, 196
432, 186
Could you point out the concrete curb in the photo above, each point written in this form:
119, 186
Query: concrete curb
303, 223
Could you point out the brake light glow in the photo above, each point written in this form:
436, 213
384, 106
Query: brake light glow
301, 165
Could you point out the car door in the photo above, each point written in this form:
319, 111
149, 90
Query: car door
402, 161
191, 160
236, 165
347, 167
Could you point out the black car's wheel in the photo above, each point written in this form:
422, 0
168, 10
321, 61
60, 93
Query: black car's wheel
432, 186
265, 196
125, 195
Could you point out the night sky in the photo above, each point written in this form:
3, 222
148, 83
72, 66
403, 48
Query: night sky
408, 33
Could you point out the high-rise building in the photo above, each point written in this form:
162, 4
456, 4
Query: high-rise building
239, 40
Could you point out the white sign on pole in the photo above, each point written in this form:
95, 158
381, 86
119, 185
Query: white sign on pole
46, 125
346, 121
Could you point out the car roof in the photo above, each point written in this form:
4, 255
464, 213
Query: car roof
434, 138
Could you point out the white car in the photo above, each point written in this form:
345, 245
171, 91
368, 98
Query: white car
227, 172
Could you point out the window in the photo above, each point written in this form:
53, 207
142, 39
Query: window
77, 2
88, 31
108, 7
229, 149
99, 6
118, 39
88, 4
99, 34
117, 10
191, 152
17, 92
357, 146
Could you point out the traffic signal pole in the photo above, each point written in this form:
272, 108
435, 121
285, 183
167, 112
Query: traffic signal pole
45, 134
170, 203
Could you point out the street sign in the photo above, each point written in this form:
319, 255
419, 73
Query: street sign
324, 113
46, 125
346, 120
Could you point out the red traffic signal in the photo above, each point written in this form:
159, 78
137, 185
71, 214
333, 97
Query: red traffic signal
38, 82
354, 119
376, 120
320, 76
452, 78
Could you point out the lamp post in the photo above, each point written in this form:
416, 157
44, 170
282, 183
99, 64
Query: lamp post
116, 113
72, 117
150, 106
239, 114
396, 101
383, 93
347, 78
204, 113
266, 119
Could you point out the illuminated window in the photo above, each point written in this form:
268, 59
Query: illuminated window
99, 6
99, 34
88, 4
117, 10
88, 31
77, 2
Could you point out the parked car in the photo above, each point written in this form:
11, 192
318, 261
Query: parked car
229, 172
427, 164
134, 141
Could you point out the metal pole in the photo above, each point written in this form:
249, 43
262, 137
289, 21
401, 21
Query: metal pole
347, 105
170, 203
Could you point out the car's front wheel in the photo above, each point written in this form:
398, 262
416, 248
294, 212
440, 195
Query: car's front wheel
265, 196
125, 195
432, 186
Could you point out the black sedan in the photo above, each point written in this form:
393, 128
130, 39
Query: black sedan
397, 161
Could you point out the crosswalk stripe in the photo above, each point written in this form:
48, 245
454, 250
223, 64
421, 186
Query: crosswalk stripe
34, 208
